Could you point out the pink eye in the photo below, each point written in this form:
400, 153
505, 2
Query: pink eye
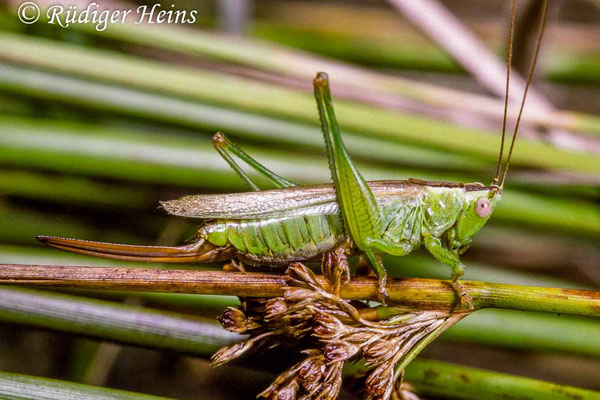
484, 208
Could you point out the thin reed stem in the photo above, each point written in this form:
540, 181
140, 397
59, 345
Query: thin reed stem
404, 293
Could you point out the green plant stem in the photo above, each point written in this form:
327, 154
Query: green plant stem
501, 328
112, 321
434, 378
84, 149
284, 61
24, 387
28, 184
424, 342
404, 293
139, 326
529, 331
259, 97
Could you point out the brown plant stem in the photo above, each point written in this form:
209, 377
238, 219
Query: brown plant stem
425, 294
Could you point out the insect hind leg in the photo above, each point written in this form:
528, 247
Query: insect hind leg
228, 150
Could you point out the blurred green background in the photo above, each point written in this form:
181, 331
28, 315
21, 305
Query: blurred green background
97, 126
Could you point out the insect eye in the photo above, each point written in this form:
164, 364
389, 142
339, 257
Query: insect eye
483, 208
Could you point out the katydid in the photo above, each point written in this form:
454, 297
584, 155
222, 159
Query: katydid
327, 222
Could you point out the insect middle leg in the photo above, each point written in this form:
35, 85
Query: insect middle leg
389, 247
228, 150
392, 248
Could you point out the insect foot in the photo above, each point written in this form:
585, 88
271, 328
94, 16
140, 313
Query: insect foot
327, 332
383, 295
463, 296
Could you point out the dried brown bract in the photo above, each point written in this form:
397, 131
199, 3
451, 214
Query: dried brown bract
330, 332
234, 320
314, 378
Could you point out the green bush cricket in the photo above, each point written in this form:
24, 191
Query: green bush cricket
327, 223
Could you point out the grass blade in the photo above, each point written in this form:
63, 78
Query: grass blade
112, 321
434, 378
24, 387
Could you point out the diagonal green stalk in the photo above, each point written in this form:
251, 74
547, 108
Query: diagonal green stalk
434, 378
112, 321
281, 60
83, 148
424, 342
205, 117
264, 98
25, 387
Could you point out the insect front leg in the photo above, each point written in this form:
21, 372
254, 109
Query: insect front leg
228, 150
436, 248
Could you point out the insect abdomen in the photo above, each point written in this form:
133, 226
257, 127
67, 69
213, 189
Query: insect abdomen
277, 240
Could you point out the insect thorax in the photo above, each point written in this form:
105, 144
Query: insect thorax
433, 213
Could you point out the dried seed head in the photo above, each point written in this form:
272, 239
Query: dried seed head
295, 295
357, 336
380, 383
228, 353
288, 392
299, 272
332, 382
379, 349
338, 350
404, 391
234, 320
308, 311
329, 393
310, 374
328, 327
275, 307
253, 306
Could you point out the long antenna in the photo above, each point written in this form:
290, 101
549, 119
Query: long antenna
508, 67
529, 78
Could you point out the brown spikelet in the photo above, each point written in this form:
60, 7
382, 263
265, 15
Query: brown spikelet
275, 307
329, 332
340, 350
226, 354
326, 326
234, 320
380, 383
